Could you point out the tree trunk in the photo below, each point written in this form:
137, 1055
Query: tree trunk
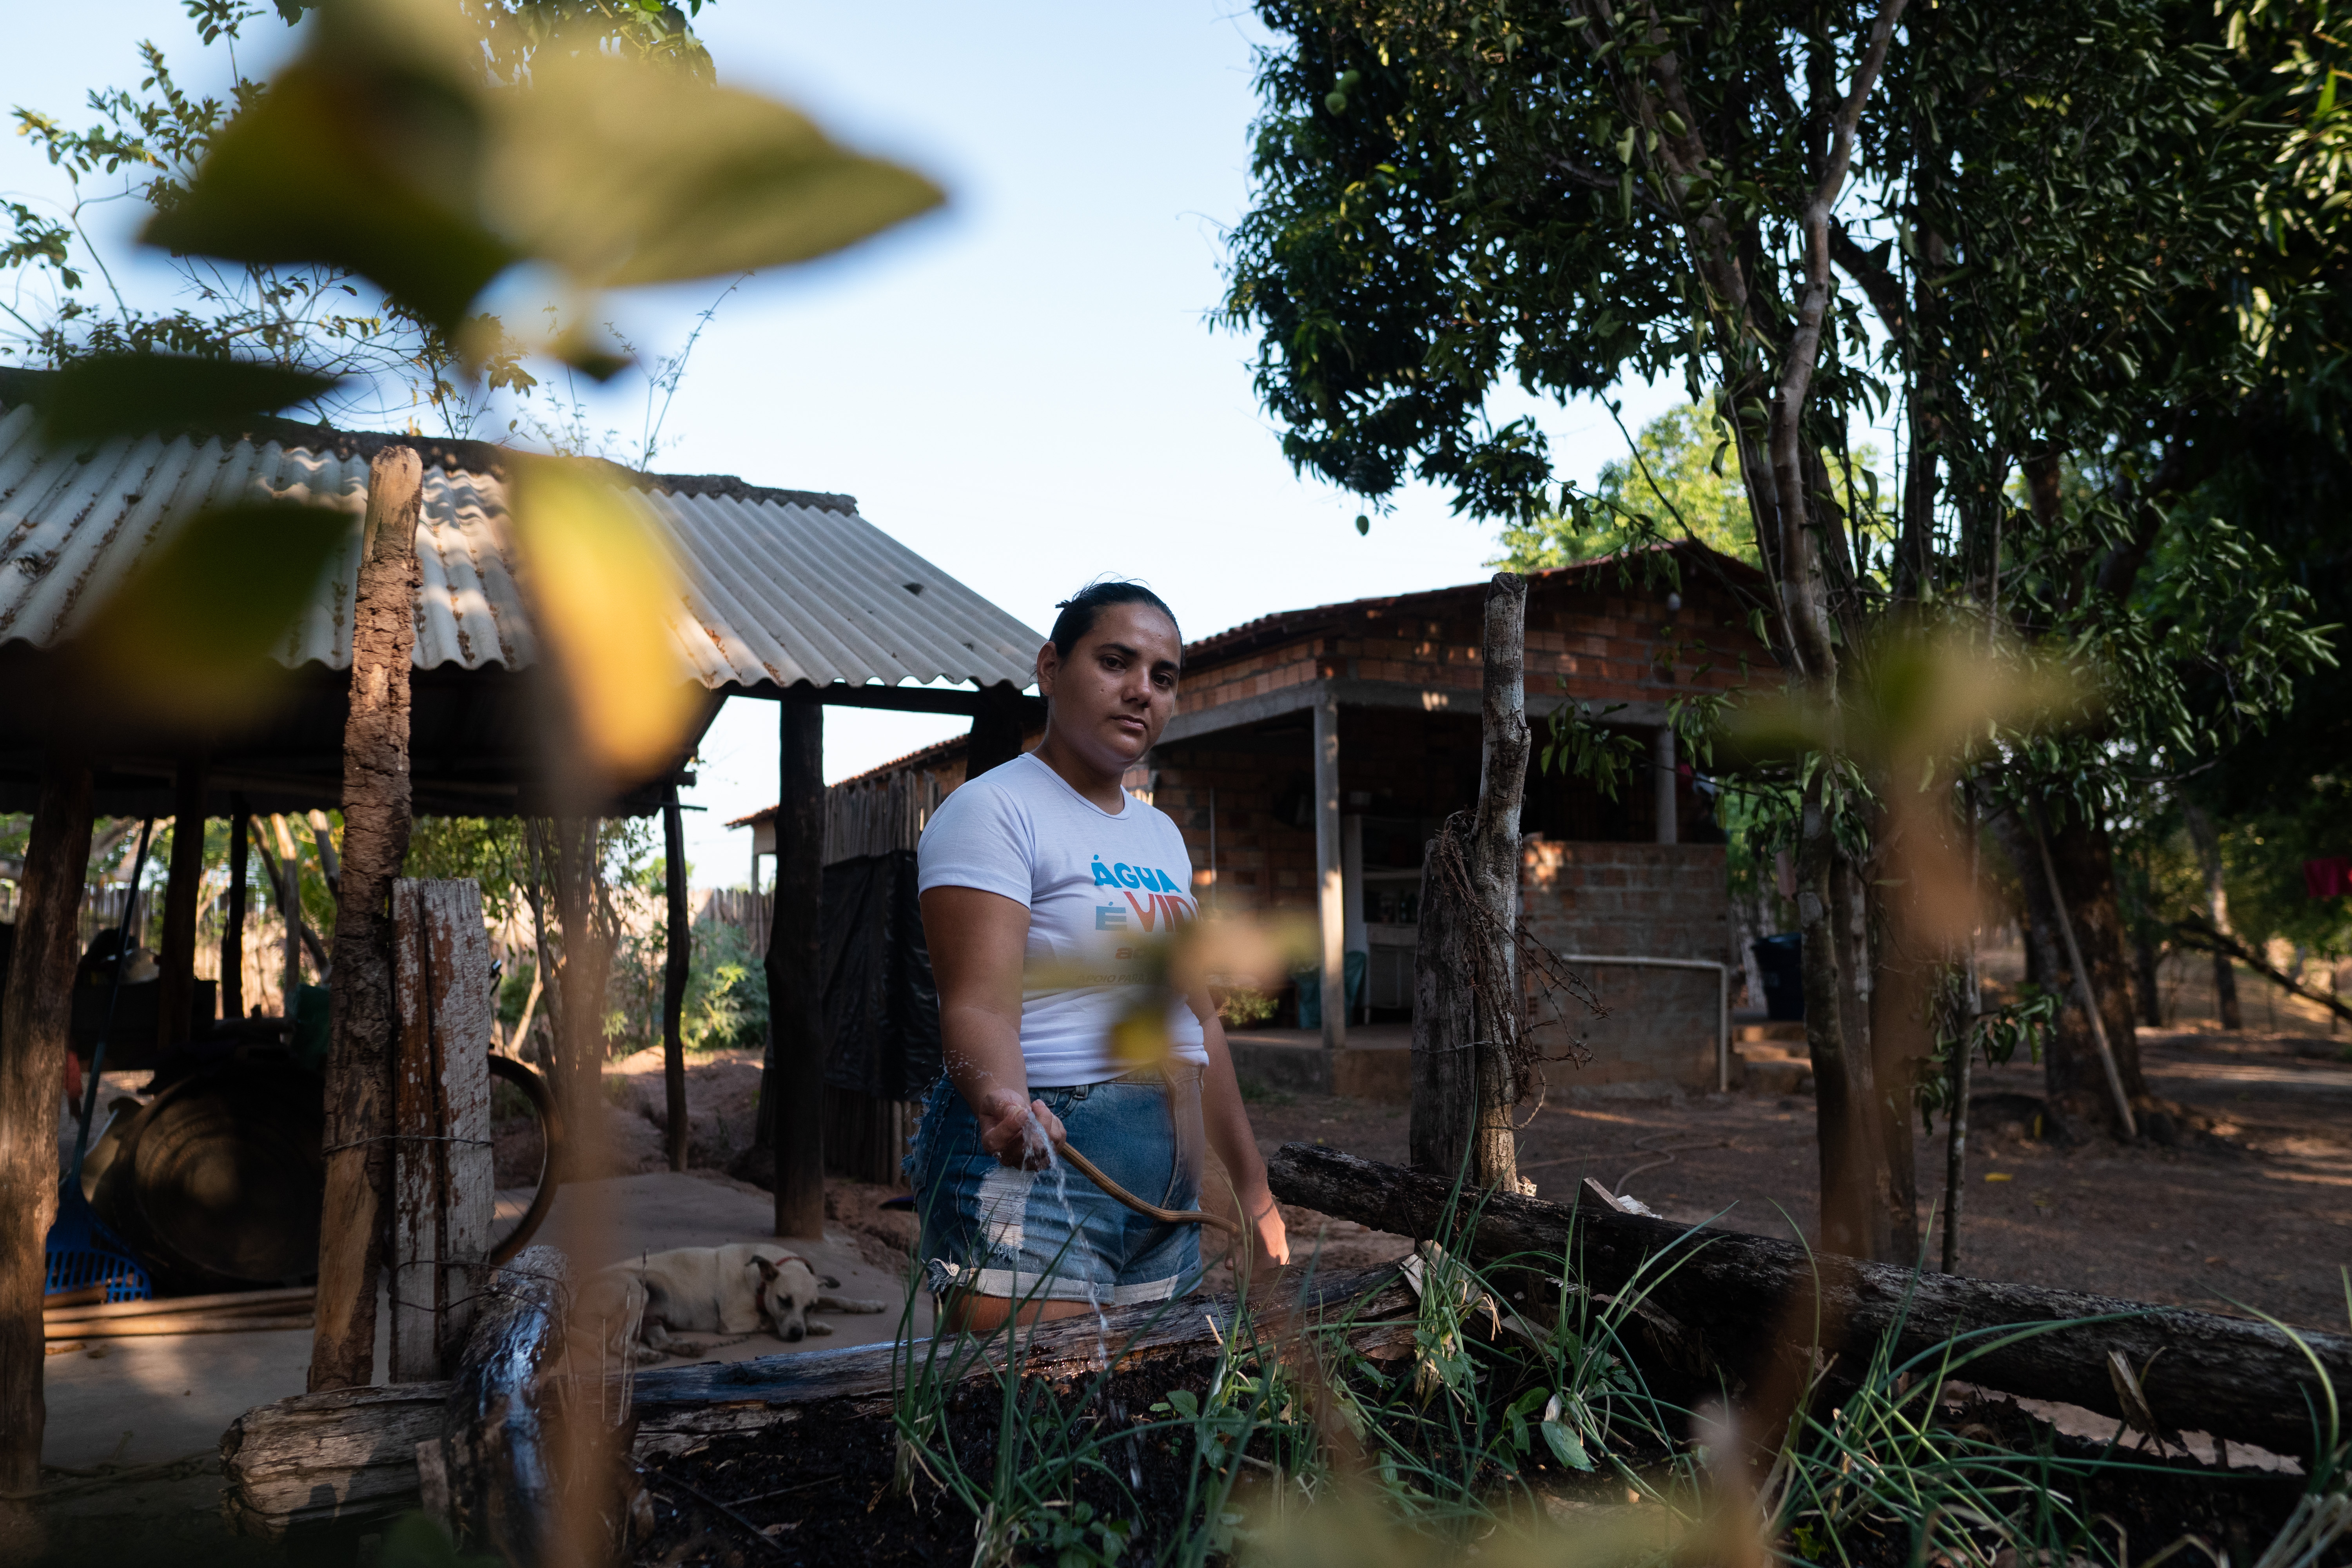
1466, 1002
240, 823
1856, 1205
1748, 1301
375, 842
1900, 1009
2075, 1075
176, 965
677, 960
2217, 910
35, 1009
792, 1090
1494, 863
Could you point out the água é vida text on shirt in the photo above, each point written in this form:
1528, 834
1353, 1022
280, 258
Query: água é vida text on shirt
1162, 906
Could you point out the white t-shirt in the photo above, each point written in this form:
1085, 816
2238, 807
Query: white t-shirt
1093, 882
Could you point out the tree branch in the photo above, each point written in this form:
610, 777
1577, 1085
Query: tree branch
2200, 935
1800, 552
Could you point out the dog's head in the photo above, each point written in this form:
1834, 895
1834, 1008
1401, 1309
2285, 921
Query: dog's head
785, 1288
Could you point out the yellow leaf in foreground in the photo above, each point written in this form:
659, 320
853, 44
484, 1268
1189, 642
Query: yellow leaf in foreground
602, 589
1998, 1176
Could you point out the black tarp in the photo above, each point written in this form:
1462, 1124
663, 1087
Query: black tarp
881, 1007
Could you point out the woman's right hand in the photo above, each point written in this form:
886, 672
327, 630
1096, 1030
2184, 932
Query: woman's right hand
1007, 1132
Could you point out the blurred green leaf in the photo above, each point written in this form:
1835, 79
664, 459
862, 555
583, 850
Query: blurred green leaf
371, 165
624, 173
386, 150
190, 634
137, 393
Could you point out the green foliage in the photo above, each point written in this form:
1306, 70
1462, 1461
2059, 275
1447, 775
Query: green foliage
1241, 1007
1681, 479
725, 991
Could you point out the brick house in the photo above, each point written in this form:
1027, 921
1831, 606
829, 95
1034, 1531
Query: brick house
1314, 752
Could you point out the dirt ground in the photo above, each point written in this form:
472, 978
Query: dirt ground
2262, 1219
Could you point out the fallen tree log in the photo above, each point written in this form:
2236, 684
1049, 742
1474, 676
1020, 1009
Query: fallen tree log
1735, 1294
347, 1458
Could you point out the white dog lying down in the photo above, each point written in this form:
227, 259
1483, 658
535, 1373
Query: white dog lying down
735, 1290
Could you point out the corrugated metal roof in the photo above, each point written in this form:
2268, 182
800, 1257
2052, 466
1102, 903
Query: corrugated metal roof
1286, 626
774, 590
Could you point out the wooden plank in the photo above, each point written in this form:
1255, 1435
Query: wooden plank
34, 1014
442, 1181
1746, 1298
678, 959
342, 1458
232, 963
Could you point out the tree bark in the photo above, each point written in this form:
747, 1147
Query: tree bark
375, 842
793, 1090
1493, 860
2217, 910
176, 965
677, 961
1856, 1205
35, 1011
1750, 1300
240, 823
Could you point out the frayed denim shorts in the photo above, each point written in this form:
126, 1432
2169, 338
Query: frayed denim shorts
1052, 1235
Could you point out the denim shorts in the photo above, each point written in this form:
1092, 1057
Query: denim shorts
1053, 1234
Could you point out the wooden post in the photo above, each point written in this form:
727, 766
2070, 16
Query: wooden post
1466, 962
677, 960
177, 963
1495, 875
1330, 878
375, 842
795, 1002
33, 1015
240, 823
288, 867
441, 1185
995, 729
330, 864
1663, 782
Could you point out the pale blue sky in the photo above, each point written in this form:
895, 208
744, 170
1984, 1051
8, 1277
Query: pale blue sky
1023, 388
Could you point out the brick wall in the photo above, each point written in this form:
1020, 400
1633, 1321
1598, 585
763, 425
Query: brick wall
1649, 901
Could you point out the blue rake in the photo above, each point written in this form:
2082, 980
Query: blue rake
82, 1251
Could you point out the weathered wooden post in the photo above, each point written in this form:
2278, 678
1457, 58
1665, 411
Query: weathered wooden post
995, 729
1467, 1004
240, 823
677, 960
795, 1005
33, 1015
442, 1186
375, 841
176, 965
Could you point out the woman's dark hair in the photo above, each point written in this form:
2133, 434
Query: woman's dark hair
1083, 608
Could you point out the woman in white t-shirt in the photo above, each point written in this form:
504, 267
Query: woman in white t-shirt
1047, 861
